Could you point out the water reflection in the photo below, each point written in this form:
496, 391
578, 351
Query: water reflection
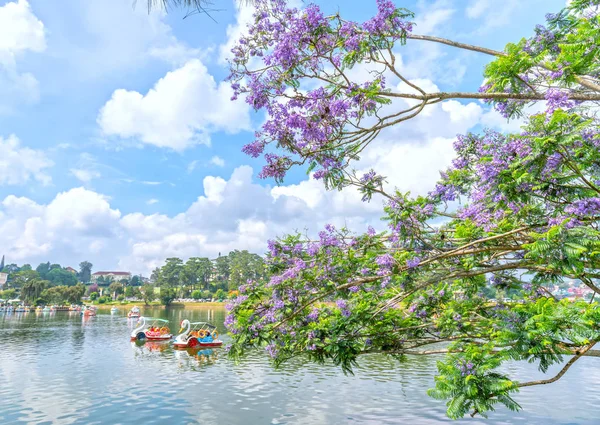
62, 368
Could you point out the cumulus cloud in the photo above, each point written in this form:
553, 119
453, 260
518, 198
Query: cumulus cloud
152, 201
181, 110
237, 213
64, 230
218, 161
20, 165
20, 32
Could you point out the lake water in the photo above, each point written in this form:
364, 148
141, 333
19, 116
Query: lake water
61, 369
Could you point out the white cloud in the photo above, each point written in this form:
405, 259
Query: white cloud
492, 16
63, 230
20, 165
192, 166
237, 30
85, 176
433, 16
111, 36
477, 8
181, 110
218, 161
20, 31
152, 201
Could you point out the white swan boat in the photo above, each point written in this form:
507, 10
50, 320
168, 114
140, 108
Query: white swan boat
134, 313
197, 335
157, 331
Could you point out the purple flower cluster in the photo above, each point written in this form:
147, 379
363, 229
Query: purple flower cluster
387, 20
411, 263
556, 99
272, 350
293, 44
466, 368
343, 306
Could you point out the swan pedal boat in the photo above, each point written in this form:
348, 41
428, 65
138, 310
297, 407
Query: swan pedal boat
197, 335
87, 311
134, 313
157, 331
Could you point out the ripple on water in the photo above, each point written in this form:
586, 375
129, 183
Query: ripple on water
60, 369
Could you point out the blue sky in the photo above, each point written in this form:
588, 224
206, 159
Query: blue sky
120, 145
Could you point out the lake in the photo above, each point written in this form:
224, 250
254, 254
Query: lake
59, 368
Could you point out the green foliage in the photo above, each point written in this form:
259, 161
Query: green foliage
167, 295
20, 278
32, 289
94, 296
85, 271
514, 215
197, 294
65, 294
220, 294
132, 292
197, 272
8, 294
148, 295
243, 266
115, 288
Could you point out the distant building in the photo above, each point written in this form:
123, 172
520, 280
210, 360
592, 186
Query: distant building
71, 269
111, 276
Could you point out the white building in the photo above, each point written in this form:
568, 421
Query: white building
111, 276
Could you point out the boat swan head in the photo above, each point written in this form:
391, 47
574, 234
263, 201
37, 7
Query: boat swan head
141, 324
185, 325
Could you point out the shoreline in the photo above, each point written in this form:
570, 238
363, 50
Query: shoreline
153, 305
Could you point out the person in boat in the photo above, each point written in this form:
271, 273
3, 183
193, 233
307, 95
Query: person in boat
208, 337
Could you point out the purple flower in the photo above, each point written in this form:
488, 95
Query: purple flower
411, 263
385, 261
272, 350
341, 304
556, 99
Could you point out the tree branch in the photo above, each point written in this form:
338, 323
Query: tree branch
456, 44
564, 370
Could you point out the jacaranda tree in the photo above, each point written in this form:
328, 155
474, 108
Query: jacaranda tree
514, 212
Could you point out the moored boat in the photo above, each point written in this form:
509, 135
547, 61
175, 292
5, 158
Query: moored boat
157, 331
197, 335
88, 311
134, 313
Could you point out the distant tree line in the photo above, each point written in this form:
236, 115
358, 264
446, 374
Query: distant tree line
198, 277
205, 278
